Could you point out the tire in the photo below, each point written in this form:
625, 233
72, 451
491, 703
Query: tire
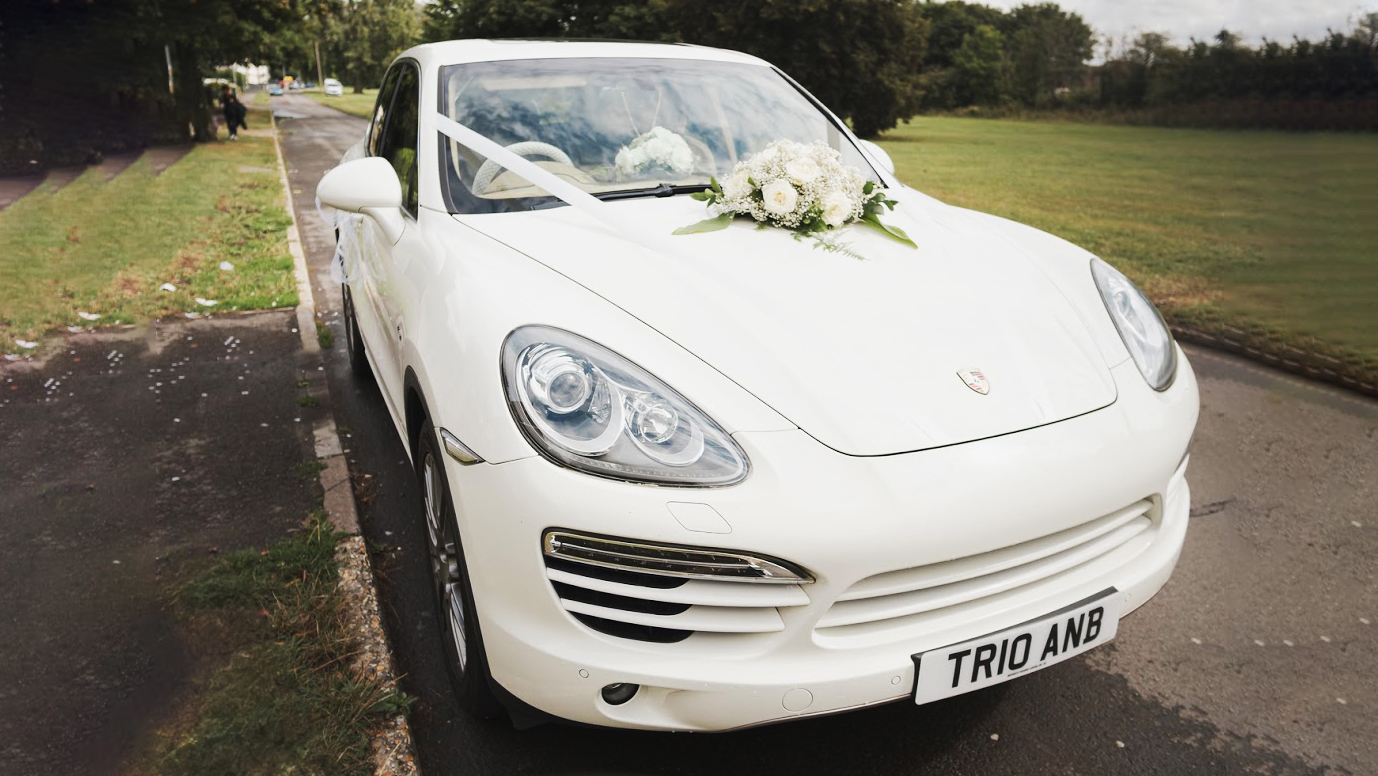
462, 642
354, 342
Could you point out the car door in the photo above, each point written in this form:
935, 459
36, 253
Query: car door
387, 260
357, 238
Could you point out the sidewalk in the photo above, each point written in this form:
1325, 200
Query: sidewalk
127, 454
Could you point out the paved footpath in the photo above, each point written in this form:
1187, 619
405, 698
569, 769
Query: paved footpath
1258, 657
122, 454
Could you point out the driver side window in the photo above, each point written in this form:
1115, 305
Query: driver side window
381, 109
398, 143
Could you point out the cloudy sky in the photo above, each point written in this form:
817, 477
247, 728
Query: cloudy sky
1182, 19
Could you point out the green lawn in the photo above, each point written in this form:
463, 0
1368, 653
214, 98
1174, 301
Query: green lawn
105, 247
355, 104
1273, 232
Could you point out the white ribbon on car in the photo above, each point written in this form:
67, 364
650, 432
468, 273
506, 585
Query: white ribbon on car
554, 185
346, 259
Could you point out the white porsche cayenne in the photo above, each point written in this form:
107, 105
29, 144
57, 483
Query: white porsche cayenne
709, 481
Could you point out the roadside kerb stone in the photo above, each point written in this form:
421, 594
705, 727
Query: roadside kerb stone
393, 749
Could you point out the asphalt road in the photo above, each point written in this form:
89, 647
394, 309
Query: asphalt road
1258, 657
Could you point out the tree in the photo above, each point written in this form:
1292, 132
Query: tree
1048, 51
859, 57
978, 67
364, 36
613, 19
949, 24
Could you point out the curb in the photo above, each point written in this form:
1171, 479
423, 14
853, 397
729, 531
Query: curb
394, 753
1311, 365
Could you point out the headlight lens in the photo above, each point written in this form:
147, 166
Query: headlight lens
1140, 326
590, 409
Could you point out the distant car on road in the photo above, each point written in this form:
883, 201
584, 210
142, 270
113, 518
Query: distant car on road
708, 482
275, 90
333, 88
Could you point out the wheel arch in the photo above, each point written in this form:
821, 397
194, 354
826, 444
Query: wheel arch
415, 410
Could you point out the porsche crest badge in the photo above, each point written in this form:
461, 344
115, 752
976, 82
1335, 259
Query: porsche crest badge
975, 380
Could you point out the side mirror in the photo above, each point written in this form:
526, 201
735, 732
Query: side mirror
877, 153
368, 186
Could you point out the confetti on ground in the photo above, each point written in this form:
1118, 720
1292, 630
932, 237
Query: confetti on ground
1326, 639
1195, 640
1120, 744
174, 479
25, 343
1364, 620
206, 302
1341, 701
1288, 643
167, 287
995, 736
1357, 524
225, 266
1256, 641
88, 316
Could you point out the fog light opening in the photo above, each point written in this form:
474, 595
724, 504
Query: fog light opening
619, 693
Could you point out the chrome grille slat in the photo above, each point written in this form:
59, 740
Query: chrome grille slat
694, 591
667, 593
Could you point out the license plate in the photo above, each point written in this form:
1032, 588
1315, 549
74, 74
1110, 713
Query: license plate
1023, 649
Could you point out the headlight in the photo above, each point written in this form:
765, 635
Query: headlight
1141, 327
585, 407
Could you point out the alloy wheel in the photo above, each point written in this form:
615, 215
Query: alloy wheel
445, 572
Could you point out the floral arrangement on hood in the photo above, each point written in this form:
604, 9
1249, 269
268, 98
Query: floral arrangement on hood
657, 148
804, 188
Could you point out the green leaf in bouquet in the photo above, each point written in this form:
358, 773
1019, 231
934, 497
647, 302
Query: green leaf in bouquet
706, 225
892, 231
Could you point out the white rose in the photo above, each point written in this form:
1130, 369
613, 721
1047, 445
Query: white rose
802, 169
737, 186
780, 197
837, 208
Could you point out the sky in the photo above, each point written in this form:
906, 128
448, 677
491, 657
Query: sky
1183, 19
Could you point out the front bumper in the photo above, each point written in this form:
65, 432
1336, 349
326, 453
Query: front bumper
844, 519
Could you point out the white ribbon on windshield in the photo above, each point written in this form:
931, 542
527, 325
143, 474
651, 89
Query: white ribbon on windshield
557, 187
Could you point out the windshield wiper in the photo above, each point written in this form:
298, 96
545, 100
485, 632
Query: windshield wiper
663, 190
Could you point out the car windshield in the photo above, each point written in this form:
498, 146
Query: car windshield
619, 127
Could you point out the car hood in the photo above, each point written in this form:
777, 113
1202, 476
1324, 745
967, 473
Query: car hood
864, 352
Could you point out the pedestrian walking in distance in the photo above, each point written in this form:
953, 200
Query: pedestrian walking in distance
234, 114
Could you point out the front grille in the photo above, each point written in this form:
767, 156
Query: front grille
636, 604
901, 603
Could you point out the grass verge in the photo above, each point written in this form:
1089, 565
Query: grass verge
360, 105
105, 247
1269, 236
287, 701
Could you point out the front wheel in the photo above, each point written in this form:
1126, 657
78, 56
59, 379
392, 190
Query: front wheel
465, 658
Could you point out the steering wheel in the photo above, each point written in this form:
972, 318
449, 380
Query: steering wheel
490, 169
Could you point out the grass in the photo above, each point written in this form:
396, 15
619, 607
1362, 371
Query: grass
360, 105
308, 470
1271, 232
286, 701
105, 247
